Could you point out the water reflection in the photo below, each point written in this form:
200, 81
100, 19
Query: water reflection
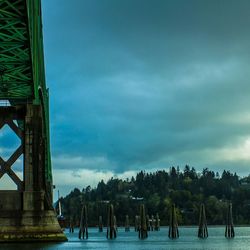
156, 240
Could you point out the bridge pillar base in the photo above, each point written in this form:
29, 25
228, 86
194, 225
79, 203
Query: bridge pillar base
27, 226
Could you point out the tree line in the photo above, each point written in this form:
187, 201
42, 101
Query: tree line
187, 189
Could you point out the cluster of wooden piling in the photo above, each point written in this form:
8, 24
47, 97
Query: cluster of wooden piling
100, 224
127, 228
152, 224
83, 230
148, 222
202, 231
143, 223
229, 233
71, 225
111, 228
157, 222
137, 223
173, 231
143, 231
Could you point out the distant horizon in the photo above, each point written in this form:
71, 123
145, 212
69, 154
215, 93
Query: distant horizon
122, 176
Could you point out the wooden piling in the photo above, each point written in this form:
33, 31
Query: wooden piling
127, 229
71, 225
202, 231
229, 233
115, 224
157, 222
100, 224
143, 232
152, 224
137, 223
111, 227
83, 230
173, 232
148, 222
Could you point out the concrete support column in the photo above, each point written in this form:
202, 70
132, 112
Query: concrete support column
33, 195
27, 214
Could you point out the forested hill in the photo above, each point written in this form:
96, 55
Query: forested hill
158, 190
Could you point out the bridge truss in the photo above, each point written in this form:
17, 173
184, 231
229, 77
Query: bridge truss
23, 88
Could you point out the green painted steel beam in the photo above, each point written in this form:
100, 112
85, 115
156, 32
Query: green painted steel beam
21, 43
15, 56
22, 73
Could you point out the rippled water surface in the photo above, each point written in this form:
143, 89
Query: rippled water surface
156, 240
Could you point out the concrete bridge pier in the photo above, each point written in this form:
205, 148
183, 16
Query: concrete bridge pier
27, 214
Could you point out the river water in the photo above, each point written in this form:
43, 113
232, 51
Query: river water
157, 240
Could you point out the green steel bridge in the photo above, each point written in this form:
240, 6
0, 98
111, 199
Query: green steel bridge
23, 88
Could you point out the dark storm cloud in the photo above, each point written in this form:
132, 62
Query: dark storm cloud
148, 83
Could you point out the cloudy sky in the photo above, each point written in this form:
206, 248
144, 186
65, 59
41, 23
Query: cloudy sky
146, 84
